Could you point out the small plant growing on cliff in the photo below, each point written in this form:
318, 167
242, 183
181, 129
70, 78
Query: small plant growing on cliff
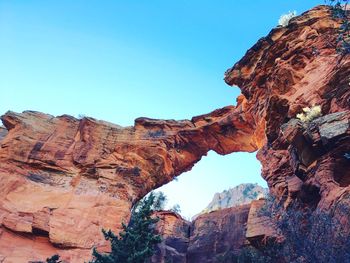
176, 209
135, 243
285, 18
309, 114
340, 11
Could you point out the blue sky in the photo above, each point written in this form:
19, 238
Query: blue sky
119, 60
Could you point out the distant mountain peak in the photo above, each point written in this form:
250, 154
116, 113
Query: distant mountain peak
236, 196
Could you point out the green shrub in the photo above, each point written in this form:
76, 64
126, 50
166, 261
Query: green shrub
136, 242
339, 11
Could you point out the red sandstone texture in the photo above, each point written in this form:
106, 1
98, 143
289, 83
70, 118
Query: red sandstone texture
175, 232
63, 179
216, 235
210, 238
292, 68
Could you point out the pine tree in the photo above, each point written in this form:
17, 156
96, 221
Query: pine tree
135, 243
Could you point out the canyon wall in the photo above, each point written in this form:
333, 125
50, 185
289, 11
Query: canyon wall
210, 238
62, 179
292, 68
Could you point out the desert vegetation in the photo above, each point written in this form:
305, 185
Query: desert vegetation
340, 11
303, 235
135, 243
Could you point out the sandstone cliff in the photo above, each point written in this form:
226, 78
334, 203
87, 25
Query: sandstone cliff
295, 67
63, 179
209, 238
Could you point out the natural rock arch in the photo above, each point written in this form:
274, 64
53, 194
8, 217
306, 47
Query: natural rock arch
67, 178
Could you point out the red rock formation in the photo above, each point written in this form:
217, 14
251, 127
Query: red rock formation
258, 225
63, 179
175, 233
210, 237
217, 234
3, 132
295, 67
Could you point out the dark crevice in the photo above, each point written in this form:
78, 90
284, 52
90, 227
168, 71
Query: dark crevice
40, 232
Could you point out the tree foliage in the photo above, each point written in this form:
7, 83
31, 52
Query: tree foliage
176, 209
339, 10
135, 243
306, 236
159, 202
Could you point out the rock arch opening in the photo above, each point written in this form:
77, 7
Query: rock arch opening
195, 189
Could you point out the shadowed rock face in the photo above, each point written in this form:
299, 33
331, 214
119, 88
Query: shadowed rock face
63, 179
3, 132
175, 233
207, 239
218, 233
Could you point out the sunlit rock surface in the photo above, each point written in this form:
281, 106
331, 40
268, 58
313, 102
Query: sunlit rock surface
63, 179
239, 195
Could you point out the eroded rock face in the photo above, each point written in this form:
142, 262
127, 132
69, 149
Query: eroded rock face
217, 234
3, 132
63, 179
210, 238
258, 225
239, 195
292, 68
175, 232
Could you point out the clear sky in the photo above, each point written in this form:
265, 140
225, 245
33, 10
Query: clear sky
119, 60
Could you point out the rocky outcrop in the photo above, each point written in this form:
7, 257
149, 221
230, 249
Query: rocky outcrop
175, 232
259, 226
295, 67
212, 237
239, 195
63, 179
218, 234
3, 132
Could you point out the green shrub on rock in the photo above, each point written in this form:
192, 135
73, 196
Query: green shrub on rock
136, 242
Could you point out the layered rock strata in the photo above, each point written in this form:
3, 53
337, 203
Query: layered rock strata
175, 233
63, 179
216, 235
210, 238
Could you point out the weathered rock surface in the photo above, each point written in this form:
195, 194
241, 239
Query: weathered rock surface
210, 238
259, 226
3, 132
295, 67
63, 179
175, 233
239, 195
217, 234
67, 178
